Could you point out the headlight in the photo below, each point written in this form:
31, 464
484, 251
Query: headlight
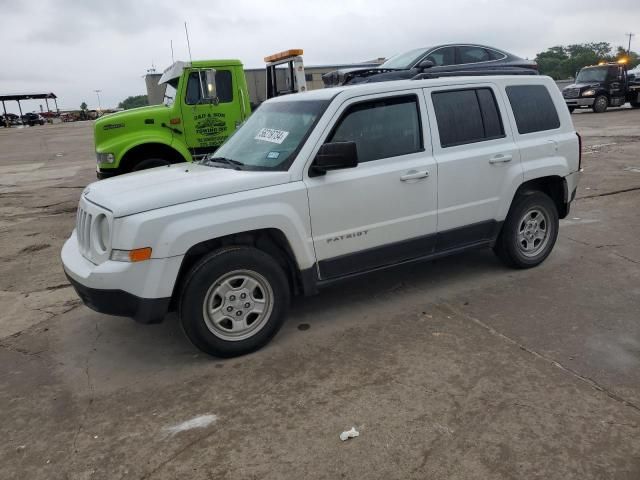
102, 233
105, 157
588, 93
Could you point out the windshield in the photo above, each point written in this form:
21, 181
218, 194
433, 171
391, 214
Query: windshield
170, 91
587, 75
272, 135
405, 60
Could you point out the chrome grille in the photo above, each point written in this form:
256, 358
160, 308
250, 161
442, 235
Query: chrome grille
571, 93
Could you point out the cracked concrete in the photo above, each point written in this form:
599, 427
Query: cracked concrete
459, 368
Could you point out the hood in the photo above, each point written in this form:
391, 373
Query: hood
582, 85
165, 186
118, 117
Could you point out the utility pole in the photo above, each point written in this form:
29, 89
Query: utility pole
629, 47
98, 94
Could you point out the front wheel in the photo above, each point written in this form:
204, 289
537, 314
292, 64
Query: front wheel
529, 232
600, 104
234, 301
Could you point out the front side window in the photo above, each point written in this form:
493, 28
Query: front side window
533, 108
443, 56
381, 128
224, 87
469, 54
272, 135
467, 116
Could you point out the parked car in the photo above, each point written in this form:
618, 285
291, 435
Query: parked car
11, 119
441, 58
322, 186
32, 119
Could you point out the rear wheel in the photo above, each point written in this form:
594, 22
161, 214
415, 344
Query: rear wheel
234, 301
529, 232
150, 163
600, 104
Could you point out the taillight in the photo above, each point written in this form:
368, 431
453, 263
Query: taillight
579, 151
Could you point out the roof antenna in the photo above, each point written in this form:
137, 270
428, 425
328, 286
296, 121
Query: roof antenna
186, 31
172, 60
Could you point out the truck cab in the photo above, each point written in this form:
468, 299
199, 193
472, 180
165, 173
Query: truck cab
204, 102
601, 86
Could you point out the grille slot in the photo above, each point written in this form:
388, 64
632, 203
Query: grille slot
83, 231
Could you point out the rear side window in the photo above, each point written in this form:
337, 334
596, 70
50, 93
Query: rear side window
473, 55
533, 108
467, 116
381, 128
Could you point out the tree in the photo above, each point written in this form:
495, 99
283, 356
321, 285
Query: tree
134, 102
561, 62
83, 106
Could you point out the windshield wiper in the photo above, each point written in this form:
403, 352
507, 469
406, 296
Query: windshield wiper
224, 160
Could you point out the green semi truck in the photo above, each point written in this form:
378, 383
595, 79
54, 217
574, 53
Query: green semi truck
205, 101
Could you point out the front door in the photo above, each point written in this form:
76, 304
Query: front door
206, 125
384, 210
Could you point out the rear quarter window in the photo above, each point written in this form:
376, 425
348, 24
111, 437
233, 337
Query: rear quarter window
533, 108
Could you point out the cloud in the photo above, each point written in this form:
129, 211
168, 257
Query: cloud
73, 47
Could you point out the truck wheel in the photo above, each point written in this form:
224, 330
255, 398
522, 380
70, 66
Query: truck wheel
600, 104
234, 301
529, 232
150, 163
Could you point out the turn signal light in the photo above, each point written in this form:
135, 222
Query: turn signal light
140, 254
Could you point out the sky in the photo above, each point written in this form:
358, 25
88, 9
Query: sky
73, 47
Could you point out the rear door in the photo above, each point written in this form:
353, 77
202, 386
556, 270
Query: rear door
384, 210
478, 161
206, 126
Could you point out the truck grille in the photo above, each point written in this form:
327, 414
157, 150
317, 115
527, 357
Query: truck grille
571, 93
83, 231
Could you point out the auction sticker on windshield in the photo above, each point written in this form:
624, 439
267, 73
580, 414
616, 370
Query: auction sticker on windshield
271, 135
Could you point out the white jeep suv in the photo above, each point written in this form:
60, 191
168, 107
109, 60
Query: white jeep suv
320, 186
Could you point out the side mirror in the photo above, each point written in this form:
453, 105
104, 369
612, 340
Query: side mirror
335, 156
424, 64
209, 91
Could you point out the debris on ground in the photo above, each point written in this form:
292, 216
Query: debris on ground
353, 433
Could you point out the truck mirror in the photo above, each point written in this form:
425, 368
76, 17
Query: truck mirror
209, 91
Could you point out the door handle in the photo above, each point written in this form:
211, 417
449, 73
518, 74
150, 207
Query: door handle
414, 175
501, 158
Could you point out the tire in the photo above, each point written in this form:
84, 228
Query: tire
241, 283
600, 104
571, 109
529, 232
150, 163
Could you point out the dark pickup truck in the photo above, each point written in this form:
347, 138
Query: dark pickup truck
602, 86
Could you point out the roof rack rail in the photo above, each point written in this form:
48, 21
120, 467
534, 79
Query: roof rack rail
476, 73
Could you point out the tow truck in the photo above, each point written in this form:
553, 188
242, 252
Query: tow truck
601, 86
205, 102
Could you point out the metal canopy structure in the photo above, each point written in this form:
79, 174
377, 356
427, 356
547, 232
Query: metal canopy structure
26, 96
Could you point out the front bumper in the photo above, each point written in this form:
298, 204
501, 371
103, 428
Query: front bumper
139, 290
121, 303
579, 102
107, 172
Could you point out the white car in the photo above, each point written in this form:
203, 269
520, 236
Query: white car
323, 185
